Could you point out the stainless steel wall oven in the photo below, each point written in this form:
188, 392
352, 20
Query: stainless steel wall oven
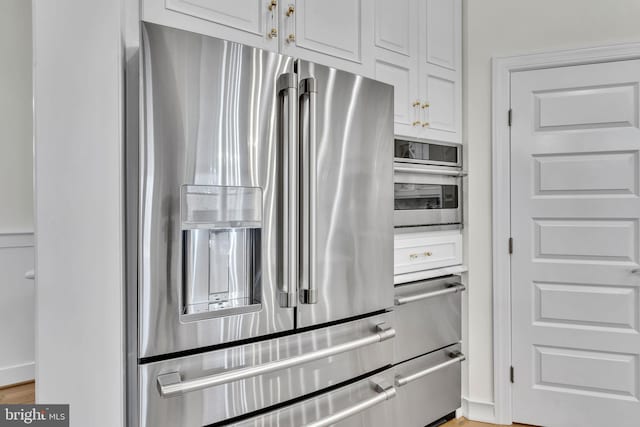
427, 184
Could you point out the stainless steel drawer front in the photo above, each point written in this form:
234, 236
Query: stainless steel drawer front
368, 402
452, 289
428, 387
427, 316
456, 357
172, 384
212, 387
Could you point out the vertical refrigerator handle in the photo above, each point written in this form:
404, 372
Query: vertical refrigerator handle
308, 126
287, 89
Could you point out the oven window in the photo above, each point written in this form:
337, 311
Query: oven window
425, 196
426, 151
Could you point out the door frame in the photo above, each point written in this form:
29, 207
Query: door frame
502, 67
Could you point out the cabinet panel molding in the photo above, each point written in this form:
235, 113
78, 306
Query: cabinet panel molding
246, 15
442, 38
400, 78
330, 27
393, 30
442, 99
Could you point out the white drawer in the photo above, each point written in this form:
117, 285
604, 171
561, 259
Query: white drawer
414, 252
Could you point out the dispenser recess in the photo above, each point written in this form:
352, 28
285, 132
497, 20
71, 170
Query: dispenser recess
221, 233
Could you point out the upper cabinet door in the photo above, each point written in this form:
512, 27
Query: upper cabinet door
440, 76
396, 60
336, 33
442, 39
394, 26
251, 22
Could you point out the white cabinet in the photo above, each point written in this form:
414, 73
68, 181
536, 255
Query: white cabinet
414, 45
251, 22
417, 252
440, 59
418, 50
394, 26
337, 33
396, 58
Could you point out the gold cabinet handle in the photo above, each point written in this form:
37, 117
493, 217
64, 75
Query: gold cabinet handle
273, 5
425, 125
423, 254
415, 103
273, 33
425, 105
290, 10
291, 38
416, 123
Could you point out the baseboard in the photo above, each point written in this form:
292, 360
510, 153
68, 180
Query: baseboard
478, 411
17, 374
16, 240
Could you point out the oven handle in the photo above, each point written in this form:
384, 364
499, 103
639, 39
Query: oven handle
171, 384
452, 289
456, 356
428, 171
383, 393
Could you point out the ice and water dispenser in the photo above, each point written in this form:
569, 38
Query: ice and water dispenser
221, 228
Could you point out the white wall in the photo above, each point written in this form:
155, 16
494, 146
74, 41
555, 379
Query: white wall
79, 114
504, 28
16, 194
16, 150
16, 309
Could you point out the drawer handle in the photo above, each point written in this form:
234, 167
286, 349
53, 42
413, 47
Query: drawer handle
427, 171
456, 356
171, 384
424, 254
452, 289
384, 393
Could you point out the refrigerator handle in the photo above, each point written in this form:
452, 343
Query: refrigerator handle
308, 117
287, 89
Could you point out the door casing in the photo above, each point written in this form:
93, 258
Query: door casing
501, 177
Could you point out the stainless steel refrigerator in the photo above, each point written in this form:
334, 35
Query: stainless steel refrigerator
264, 238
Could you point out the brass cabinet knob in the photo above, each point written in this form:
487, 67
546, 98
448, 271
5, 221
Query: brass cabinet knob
291, 38
415, 103
273, 4
290, 10
425, 105
416, 123
425, 125
273, 33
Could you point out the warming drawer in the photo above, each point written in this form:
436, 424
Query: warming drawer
427, 316
428, 387
212, 387
414, 252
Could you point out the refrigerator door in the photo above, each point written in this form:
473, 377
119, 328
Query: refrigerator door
211, 251
346, 134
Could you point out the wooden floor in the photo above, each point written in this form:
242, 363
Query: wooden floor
463, 422
24, 393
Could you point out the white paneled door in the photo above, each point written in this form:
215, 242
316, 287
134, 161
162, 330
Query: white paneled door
575, 213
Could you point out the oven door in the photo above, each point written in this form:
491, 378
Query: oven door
427, 196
